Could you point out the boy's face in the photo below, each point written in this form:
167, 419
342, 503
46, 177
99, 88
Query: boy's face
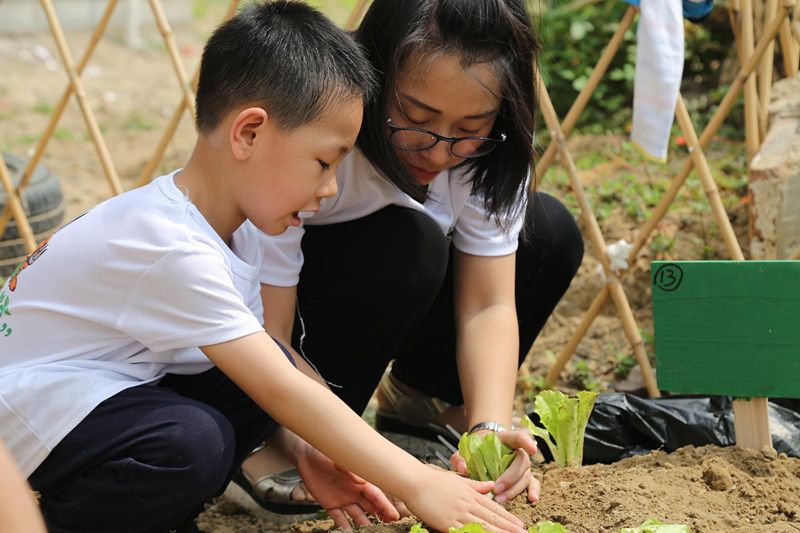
293, 170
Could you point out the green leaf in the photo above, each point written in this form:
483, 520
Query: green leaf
565, 420
417, 528
486, 456
653, 525
472, 527
548, 527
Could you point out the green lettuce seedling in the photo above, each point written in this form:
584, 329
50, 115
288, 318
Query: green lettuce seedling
548, 527
472, 527
564, 419
653, 525
486, 456
417, 528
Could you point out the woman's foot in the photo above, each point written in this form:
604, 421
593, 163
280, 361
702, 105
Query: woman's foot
274, 484
401, 409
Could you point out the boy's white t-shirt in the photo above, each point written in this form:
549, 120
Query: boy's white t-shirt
119, 297
363, 190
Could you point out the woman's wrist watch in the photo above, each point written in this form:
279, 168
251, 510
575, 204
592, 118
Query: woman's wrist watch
491, 426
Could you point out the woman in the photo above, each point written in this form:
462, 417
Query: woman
420, 257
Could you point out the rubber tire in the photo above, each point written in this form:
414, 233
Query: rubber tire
43, 202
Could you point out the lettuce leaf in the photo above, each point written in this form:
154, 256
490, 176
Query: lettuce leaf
653, 525
417, 528
472, 527
486, 456
564, 420
548, 527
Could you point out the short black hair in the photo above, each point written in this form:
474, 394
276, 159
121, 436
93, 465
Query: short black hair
284, 56
498, 32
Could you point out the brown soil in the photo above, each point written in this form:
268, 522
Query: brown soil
133, 93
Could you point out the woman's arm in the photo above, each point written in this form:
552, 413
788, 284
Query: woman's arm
280, 304
487, 336
487, 350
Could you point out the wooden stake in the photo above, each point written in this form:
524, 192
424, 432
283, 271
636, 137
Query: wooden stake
765, 72
751, 423
669, 196
752, 137
588, 90
80, 94
58, 111
706, 178
172, 49
708, 132
789, 50
15, 206
598, 241
356, 14
152, 164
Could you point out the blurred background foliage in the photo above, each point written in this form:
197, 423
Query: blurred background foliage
575, 32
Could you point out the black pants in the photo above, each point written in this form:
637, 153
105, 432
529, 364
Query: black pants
381, 288
147, 458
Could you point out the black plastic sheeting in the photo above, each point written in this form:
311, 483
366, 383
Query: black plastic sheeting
622, 425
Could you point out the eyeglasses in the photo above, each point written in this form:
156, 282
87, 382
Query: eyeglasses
418, 140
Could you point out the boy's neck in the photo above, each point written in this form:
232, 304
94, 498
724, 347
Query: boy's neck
204, 181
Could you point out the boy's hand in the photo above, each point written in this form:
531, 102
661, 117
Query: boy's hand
342, 493
443, 500
518, 476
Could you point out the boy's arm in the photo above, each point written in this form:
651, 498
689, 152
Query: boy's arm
18, 512
442, 499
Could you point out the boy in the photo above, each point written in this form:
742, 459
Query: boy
122, 423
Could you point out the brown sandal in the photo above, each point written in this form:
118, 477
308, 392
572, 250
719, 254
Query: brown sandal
410, 414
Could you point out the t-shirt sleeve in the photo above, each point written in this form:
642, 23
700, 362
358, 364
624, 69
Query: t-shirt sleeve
477, 233
186, 299
281, 257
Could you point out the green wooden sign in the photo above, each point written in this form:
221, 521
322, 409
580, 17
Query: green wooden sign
727, 327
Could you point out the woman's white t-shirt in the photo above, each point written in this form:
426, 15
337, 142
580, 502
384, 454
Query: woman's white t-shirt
363, 190
119, 297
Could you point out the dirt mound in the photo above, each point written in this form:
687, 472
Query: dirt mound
711, 489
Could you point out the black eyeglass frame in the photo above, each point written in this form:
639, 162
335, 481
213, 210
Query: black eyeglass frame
451, 140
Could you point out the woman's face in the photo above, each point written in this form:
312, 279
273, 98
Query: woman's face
441, 96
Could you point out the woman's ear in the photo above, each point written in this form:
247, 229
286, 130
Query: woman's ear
246, 127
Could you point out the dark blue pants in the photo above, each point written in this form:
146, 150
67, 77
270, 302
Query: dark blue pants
148, 458
381, 287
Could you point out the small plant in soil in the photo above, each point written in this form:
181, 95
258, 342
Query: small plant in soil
564, 420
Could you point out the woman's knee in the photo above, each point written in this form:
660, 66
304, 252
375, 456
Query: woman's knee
551, 231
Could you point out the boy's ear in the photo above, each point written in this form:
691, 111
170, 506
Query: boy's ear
247, 126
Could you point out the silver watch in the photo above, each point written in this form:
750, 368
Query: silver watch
491, 426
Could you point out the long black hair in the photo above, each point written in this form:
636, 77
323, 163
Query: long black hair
285, 56
497, 32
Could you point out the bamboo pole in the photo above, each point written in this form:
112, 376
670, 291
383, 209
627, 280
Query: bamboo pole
789, 50
598, 241
566, 352
586, 93
16, 209
158, 154
172, 50
707, 179
669, 196
765, 72
80, 95
355, 15
708, 132
751, 134
59, 110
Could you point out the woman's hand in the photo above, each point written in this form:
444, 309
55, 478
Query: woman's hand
518, 476
342, 493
